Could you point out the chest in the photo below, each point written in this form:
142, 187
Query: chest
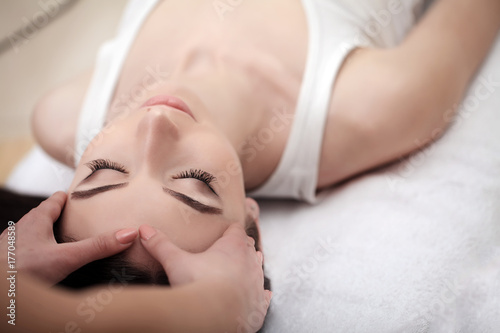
270, 35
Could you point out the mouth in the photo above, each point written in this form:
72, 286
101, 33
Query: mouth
171, 101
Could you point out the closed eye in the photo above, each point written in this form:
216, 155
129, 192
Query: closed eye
200, 175
100, 164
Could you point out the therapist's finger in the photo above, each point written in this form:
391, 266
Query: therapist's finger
49, 210
80, 253
160, 247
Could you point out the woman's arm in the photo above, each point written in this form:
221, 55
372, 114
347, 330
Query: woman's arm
387, 103
452, 40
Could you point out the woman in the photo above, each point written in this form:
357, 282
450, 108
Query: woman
199, 107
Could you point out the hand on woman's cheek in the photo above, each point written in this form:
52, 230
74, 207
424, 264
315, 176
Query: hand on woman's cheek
38, 254
232, 261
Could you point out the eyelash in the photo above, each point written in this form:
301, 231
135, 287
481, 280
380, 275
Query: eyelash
198, 174
201, 175
100, 164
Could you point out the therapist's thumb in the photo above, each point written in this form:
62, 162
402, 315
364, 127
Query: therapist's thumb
163, 250
80, 253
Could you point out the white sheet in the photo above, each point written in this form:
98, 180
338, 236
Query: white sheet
414, 247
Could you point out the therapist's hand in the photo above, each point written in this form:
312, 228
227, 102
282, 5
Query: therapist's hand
37, 252
231, 261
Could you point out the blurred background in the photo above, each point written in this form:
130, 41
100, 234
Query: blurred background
43, 43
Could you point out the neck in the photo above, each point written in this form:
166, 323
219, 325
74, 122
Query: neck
228, 102
239, 101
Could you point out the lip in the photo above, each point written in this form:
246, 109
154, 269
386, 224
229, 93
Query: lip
171, 101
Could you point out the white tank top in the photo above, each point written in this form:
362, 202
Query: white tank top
336, 27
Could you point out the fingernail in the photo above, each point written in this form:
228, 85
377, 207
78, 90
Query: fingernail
147, 231
126, 236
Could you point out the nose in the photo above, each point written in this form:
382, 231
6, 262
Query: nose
157, 133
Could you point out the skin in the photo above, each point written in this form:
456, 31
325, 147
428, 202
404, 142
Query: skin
154, 144
233, 84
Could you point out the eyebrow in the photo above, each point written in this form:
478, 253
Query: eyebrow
195, 204
94, 191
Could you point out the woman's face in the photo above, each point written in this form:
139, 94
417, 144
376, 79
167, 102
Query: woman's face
160, 166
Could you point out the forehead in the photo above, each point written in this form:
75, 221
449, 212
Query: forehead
187, 228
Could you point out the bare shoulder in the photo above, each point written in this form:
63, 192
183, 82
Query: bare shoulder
374, 114
55, 117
